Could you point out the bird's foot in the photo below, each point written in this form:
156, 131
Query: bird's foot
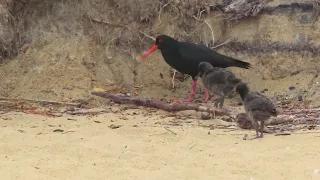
261, 135
258, 137
205, 96
254, 138
193, 91
216, 103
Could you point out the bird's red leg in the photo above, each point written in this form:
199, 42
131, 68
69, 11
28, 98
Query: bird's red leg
192, 93
206, 95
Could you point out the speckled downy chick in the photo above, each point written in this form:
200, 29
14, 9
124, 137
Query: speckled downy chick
258, 107
218, 80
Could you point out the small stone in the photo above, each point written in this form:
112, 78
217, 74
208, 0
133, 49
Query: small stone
56, 114
292, 88
113, 126
58, 130
115, 109
299, 98
7, 118
123, 118
264, 90
205, 117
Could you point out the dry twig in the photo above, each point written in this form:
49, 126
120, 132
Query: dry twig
222, 44
160, 11
173, 76
212, 34
153, 103
170, 131
43, 102
86, 111
316, 11
102, 20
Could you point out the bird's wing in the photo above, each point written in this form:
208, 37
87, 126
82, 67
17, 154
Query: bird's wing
200, 52
231, 78
194, 52
215, 76
259, 102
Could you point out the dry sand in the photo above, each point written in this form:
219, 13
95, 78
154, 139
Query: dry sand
143, 149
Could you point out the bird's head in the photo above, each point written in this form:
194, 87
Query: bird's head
161, 42
243, 89
203, 67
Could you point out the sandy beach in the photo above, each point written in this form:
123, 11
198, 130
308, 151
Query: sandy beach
144, 147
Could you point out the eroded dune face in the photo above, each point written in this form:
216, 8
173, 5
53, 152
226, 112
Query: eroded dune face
68, 54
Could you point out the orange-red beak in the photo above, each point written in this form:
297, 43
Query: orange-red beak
150, 51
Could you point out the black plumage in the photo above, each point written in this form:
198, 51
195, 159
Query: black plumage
218, 80
185, 57
258, 107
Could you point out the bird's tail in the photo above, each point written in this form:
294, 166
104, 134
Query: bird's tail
227, 61
238, 63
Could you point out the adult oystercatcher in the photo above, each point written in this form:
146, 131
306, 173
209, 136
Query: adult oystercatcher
257, 106
218, 80
186, 56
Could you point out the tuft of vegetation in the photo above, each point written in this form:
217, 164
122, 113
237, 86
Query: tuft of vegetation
130, 25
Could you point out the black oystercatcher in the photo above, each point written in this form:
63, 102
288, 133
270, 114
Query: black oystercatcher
218, 80
257, 106
185, 58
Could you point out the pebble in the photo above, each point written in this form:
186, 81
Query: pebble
292, 88
113, 126
115, 109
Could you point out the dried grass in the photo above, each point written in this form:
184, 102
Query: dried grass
129, 25
14, 14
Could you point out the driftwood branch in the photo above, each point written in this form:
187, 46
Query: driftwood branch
153, 103
239, 9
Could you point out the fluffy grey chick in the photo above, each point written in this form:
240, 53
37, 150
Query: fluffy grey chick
257, 106
218, 80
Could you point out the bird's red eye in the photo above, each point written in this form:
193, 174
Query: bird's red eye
160, 40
